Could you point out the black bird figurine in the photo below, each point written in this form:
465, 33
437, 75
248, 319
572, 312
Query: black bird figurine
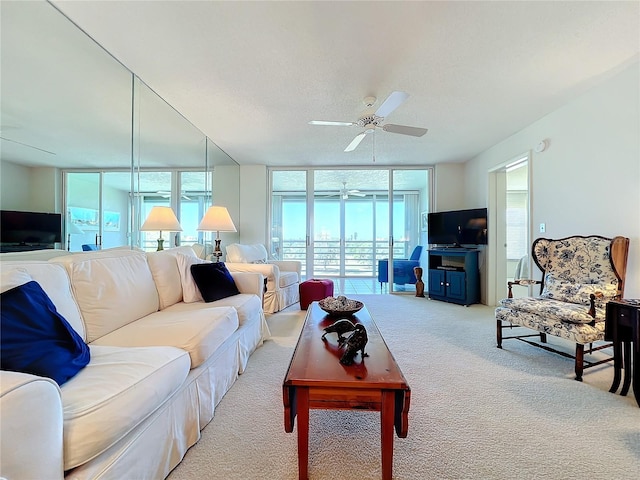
354, 344
340, 327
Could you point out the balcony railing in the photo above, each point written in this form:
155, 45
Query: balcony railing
360, 257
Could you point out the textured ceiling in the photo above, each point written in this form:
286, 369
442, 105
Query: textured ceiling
251, 75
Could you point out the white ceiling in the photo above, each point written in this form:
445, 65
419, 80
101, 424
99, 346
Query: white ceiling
251, 75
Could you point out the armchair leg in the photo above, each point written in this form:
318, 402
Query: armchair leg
579, 361
543, 337
499, 333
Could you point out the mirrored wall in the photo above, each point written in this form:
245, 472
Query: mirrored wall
84, 136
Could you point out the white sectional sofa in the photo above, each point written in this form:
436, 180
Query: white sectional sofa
158, 368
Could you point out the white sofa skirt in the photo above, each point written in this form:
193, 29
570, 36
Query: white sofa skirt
281, 299
140, 454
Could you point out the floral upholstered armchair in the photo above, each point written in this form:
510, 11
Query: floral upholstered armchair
579, 276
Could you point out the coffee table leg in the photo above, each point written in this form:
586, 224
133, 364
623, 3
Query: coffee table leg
302, 407
387, 416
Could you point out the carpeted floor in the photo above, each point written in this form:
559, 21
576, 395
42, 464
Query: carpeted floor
477, 412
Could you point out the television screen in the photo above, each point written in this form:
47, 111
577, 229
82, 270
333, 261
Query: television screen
458, 227
30, 228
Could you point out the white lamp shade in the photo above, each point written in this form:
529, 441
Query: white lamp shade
162, 219
217, 219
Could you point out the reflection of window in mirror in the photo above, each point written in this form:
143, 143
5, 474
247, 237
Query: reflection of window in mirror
194, 201
89, 140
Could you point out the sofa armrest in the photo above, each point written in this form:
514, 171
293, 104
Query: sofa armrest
249, 282
268, 270
289, 266
30, 427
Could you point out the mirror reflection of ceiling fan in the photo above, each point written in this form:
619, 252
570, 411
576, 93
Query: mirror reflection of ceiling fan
166, 194
371, 121
344, 193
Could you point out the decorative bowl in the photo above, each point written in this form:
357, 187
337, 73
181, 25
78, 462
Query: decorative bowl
340, 306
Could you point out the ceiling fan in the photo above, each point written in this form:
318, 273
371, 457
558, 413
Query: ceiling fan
344, 193
167, 194
371, 121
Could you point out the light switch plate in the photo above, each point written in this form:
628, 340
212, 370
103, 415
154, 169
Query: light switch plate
543, 228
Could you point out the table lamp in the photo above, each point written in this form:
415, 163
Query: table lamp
161, 218
217, 219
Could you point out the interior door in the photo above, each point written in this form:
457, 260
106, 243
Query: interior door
509, 223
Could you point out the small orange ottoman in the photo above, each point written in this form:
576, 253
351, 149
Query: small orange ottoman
313, 290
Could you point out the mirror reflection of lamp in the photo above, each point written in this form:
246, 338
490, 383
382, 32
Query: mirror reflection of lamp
74, 229
161, 218
217, 219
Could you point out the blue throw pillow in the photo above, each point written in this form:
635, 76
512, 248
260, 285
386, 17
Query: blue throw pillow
36, 339
214, 281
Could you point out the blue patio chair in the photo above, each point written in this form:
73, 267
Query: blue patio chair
89, 247
402, 268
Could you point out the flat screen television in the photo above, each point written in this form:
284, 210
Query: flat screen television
458, 227
29, 228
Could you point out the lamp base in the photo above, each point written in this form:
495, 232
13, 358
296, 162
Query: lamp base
160, 244
216, 250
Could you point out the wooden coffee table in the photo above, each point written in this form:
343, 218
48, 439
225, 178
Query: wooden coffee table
316, 379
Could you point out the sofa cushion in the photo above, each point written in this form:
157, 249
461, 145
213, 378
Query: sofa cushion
579, 293
553, 310
214, 281
247, 306
166, 275
54, 281
239, 253
36, 339
117, 391
112, 287
190, 291
200, 332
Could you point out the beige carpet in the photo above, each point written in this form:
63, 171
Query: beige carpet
477, 412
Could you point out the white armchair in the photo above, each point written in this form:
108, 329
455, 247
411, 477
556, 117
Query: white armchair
282, 276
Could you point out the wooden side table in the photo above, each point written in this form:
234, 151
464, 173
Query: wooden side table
622, 327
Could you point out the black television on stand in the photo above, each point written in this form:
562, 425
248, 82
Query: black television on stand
458, 228
21, 231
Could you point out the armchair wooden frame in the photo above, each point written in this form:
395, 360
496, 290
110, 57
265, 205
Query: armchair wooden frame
619, 249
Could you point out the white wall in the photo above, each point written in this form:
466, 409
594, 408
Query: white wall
450, 187
14, 180
587, 182
46, 189
253, 204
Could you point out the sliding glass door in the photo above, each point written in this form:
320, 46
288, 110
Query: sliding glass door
289, 239
411, 201
349, 222
97, 206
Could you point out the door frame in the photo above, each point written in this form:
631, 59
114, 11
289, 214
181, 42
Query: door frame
496, 249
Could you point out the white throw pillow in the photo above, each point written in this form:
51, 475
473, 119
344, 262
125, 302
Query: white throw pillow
13, 278
190, 291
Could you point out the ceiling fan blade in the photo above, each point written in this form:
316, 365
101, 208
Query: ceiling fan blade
357, 194
404, 130
339, 124
355, 142
392, 102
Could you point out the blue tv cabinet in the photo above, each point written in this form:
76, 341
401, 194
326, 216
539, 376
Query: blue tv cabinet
454, 276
